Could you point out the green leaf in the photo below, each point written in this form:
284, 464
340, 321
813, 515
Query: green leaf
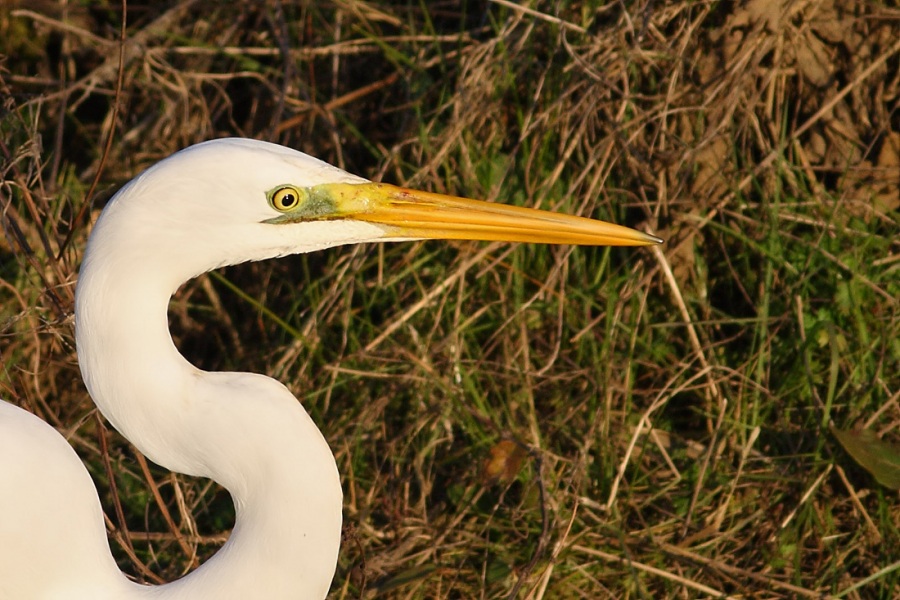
876, 456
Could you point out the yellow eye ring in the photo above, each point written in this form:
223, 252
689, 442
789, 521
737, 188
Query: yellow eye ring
285, 198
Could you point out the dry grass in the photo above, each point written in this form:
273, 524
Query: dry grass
509, 421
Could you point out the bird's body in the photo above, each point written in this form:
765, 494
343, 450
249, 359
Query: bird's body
52, 521
189, 214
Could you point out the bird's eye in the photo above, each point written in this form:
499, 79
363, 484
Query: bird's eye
285, 198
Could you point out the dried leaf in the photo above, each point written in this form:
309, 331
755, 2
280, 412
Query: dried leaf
813, 60
504, 463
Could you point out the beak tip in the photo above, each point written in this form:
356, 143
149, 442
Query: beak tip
642, 238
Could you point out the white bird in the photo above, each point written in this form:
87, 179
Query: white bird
217, 203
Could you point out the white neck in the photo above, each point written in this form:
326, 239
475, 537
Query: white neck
245, 431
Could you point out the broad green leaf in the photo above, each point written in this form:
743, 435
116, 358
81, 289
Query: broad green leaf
880, 458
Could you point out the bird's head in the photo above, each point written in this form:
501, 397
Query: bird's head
234, 200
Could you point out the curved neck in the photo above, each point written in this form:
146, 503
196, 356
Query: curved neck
245, 431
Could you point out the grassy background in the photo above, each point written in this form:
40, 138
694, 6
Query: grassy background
509, 420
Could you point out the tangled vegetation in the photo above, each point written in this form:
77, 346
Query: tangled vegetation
509, 421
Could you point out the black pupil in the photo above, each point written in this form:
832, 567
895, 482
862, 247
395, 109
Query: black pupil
287, 199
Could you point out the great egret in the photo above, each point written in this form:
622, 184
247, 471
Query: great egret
217, 203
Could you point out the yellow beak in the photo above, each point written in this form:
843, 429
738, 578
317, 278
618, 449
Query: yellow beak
413, 214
